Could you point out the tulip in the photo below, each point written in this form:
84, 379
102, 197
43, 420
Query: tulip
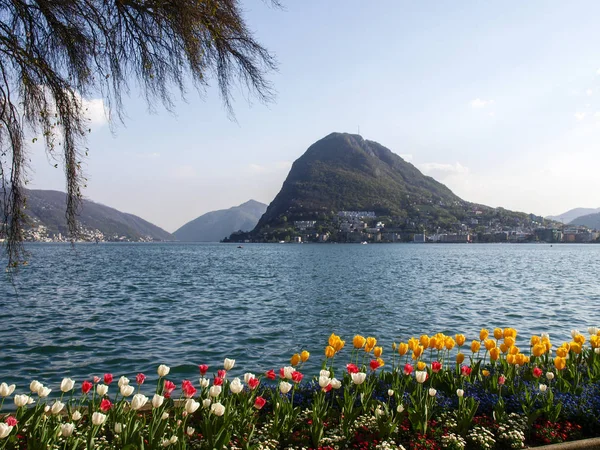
483, 334
597, 350
549, 376
460, 392
358, 378
259, 402
138, 401
400, 408
86, 386
123, 381
359, 341
221, 373
489, 344
204, 382
140, 378
297, 376
173, 439
537, 372
374, 364
11, 421
543, 388
6, 390
436, 366
127, 390
66, 429
108, 378
390, 392
475, 345
203, 369
67, 384
44, 391
164, 416
284, 387
98, 419
501, 380
295, 359
498, 334
163, 370
325, 373
432, 392
420, 376
560, 363
402, 348
105, 405
593, 330
495, 354
57, 407
35, 385
21, 400
101, 389
377, 351
324, 381
418, 351
460, 339
236, 386
76, 416
335, 383
228, 363
253, 383
304, 355
408, 369
329, 351
421, 365
190, 431
370, 344
119, 428
218, 409
157, 401
460, 357
287, 372
485, 373
5, 430
214, 391
206, 402
574, 333
191, 405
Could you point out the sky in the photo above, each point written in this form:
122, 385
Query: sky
500, 102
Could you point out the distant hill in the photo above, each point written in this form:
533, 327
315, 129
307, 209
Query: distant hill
571, 215
47, 208
216, 225
589, 220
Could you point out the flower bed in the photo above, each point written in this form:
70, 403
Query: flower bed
432, 393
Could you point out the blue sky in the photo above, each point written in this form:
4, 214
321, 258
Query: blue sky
501, 102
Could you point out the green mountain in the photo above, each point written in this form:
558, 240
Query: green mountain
46, 211
215, 225
590, 220
344, 172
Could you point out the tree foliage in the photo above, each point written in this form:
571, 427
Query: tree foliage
54, 53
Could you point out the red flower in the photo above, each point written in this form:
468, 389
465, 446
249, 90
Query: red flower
105, 405
465, 371
297, 376
270, 374
221, 373
188, 388
253, 383
352, 368
327, 388
11, 421
168, 387
436, 366
374, 364
259, 402
86, 386
282, 373
96, 380
501, 380
203, 369
140, 378
108, 378
537, 372
218, 381
408, 369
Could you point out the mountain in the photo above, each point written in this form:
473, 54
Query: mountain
344, 172
215, 225
571, 215
46, 209
589, 220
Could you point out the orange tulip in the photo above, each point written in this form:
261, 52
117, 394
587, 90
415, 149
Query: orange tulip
460, 339
460, 358
498, 333
483, 334
402, 348
359, 341
295, 360
304, 356
560, 363
494, 353
329, 351
377, 351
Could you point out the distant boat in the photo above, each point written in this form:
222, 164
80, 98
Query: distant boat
239, 246
282, 242
364, 242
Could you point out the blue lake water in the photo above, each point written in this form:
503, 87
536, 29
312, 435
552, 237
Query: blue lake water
125, 308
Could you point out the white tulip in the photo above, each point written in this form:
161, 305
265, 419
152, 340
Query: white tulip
432, 392
123, 381
191, 406
4, 430
214, 391
164, 416
35, 385
236, 386
248, 376
204, 382
324, 381
157, 401
76, 416
597, 350
460, 392
228, 363
166, 443
543, 388
138, 401
101, 390
57, 407
325, 373
206, 402
127, 390
335, 383
593, 330
173, 439
66, 429
287, 372
285, 387
190, 431
574, 333
550, 376
6, 390
359, 377
21, 400
400, 408
30, 400
119, 428
67, 384
545, 335
217, 409
98, 418
163, 370
420, 376
46, 409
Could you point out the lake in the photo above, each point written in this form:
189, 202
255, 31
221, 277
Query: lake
125, 308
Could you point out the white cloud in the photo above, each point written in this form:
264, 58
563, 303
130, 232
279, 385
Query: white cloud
589, 92
580, 115
278, 166
94, 111
479, 103
443, 169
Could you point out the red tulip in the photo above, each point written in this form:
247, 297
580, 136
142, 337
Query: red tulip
436, 366
270, 374
327, 388
253, 383
203, 369
188, 388
140, 378
297, 376
352, 368
537, 372
86, 386
259, 402
221, 373
465, 371
11, 421
168, 387
218, 381
96, 380
105, 405
108, 378
408, 369
374, 364
501, 380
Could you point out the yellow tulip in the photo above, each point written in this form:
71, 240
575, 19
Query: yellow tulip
560, 363
494, 353
546, 343
329, 351
402, 348
359, 341
424, 341
449, 343
511, 359
562, 352
304, 356
433, 342
460, 339
483, 334
460, 357
504, 348
377, 351
509, 341
418, 351
475, 345
510, 332
580, 339
421, 365
412, 343
381, 362
394, 346
520, 358
295, 360
489, 344
534, 340
332, 338
576, 347
498, 333
595, 341
370, 344
485, 373
440, 340
514, 350
538, 349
